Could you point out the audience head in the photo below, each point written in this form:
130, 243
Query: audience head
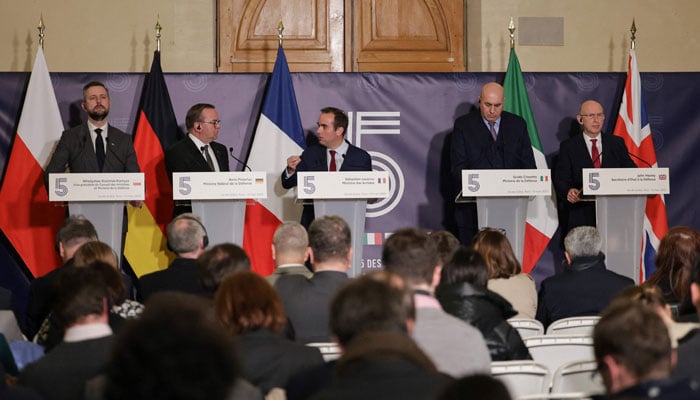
245, 302
477, 386
92, 251
374, 302
290, 244
500, 259
73, 233
330, 243
175, 350
219, 262
446, 244
411, 254
466, 265
81, 294
674, 260
631, 345
187, 236
583, 241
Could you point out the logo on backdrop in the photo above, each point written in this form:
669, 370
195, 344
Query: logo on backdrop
363, 123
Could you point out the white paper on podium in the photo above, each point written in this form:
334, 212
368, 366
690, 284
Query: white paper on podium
626, 181
506, 182
343, 185
96, 187
219, 185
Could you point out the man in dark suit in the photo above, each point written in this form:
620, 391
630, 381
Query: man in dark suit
585, 287
489, 138
93, 146
333, 153
198, 152
590, 149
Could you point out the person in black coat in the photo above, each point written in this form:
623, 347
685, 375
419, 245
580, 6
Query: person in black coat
462, 292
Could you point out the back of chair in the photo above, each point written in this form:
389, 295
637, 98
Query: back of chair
578, 376
329, 350
527, 327
556, 350
573, 326
522, 378
9, 326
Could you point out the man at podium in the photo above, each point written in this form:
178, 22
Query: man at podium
589, 149
487, 138
332, 153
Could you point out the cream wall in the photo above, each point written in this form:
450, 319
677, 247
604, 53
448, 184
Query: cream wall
118, 36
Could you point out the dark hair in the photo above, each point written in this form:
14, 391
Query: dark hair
93, 84
340, 119
175, 350
79, 292
218, 262
329, 238
411, 254
246, 302
446, 244
370, 303
497, 252
195, 113
678, 250
466, 265
75, 230
477, 386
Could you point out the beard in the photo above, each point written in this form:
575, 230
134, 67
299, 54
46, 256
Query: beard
98, 115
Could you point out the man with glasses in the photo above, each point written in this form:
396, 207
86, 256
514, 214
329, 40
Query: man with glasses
589, 149
198, 152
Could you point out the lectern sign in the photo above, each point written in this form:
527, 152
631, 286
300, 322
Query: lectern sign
626, 181
343, 185
219, 185
506, 182
96, 187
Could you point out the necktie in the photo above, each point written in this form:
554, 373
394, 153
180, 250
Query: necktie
492, 128
99, 149
210, 163
595, 155
332, 167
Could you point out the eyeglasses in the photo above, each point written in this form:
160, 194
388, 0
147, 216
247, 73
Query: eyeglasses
594, 116
215, 122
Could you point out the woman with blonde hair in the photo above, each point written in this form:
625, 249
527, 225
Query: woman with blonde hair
505, 274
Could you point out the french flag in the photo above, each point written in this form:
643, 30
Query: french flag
279, 134
27, 218
633, 126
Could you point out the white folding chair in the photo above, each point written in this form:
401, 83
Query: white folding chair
573, 326
527, 327
553, 351
578, 376
329, 350
522, 377
9, 326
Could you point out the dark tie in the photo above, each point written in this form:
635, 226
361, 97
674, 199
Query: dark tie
99, 149
332, 167
210, 163
595, 155
492, 128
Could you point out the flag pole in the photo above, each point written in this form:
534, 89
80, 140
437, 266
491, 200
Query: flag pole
511, 29
280, 29
158, 28
633, 29
41, 29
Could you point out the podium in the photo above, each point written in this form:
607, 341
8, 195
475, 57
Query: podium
219, 199
100, 199
620, 199
502, 197
345, 193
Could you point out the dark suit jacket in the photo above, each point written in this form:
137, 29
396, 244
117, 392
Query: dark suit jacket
39, 300
75, 151
573, 157
473, 146
315, 158
180, 276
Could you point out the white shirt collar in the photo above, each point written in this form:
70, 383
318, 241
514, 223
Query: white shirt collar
78, 333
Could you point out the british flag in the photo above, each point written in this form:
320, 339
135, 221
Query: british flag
633, 126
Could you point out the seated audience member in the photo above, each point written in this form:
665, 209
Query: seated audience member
585, 286
187, 238
290, 250
505, 274
251, 310
455, 347
73, 233
634, 355
81, 304
688, 365
95, 250
674, 262
372, 318
462, 292
306, 300
446, 244
176, 350
219, 262
9, 391
477, 386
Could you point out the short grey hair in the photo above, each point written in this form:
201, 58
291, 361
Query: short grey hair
185, 232
583, 241
291, 238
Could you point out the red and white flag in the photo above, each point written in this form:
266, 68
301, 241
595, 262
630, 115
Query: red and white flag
27, 218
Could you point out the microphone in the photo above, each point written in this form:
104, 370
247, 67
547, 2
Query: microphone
230, 152
645, 162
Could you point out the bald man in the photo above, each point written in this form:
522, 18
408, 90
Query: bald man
487, 138
589, 149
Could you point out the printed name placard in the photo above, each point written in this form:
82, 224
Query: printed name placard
219, 185
343, 185
506, 182
96, 187
626, 181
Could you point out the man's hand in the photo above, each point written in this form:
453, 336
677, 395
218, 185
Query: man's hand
292, 163
136, 203
573, 195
